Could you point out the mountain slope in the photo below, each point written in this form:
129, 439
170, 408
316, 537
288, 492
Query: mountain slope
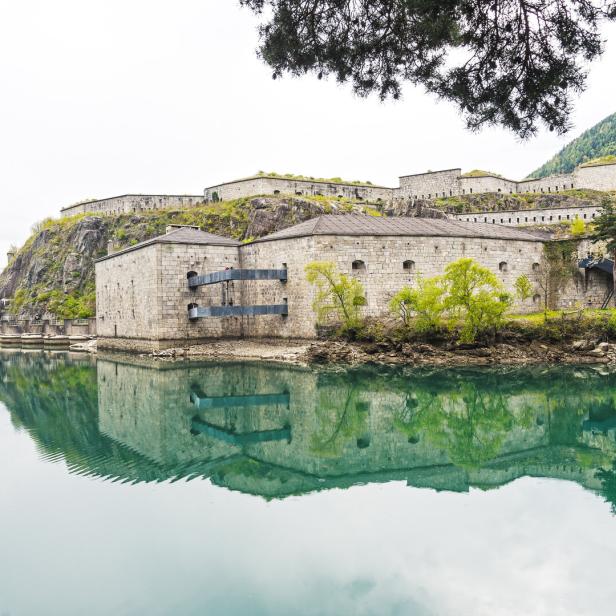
598, 141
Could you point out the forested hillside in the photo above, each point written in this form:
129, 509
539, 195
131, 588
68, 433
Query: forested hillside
597, 142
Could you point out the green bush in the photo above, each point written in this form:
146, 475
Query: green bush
422, 306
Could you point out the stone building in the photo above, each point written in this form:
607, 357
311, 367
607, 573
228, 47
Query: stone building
190, 286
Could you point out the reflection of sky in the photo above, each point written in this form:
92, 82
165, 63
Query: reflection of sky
75, 545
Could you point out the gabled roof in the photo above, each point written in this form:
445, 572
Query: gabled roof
184, 235
360, 225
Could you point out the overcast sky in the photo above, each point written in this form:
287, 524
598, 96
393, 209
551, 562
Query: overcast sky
101, 98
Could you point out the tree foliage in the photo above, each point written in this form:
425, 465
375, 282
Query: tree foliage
475, 295
468, 293
421, 306
337, 294
523, 287
513, 63
597, 142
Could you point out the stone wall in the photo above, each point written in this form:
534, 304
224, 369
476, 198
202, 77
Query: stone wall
272, 186
133, 203
599, 177
486, 184
142, 296
516, 218
551, 183
428, 185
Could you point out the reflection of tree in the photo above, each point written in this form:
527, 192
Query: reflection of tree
340, 416
469, 425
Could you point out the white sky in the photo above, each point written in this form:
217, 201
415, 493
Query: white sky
101, 98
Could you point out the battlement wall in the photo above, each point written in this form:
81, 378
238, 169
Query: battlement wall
269, 185
125, 204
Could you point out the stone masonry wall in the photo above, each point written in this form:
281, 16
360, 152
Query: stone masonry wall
127, 294
133, 203
273, 186
599, 177
427, 185
516, 218
486, 184
296, 253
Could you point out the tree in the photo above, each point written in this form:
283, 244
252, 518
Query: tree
475, 295
513, 63
605, 230
423, 305
337, 294
523, 287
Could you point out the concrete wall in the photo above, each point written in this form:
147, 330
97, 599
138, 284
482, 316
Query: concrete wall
133, 203
516, 218
552, 183
273, 186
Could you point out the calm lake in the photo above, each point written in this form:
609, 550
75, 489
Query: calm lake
129, 487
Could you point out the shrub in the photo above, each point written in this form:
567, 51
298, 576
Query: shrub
337, 295
577, 226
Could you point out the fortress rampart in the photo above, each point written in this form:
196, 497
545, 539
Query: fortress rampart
430, 185
125, 204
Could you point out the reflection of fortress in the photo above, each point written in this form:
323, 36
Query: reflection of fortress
276, 431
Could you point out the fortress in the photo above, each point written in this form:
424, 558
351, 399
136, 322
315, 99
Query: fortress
600, 175
188, 286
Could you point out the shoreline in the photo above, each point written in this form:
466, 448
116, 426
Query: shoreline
322, 352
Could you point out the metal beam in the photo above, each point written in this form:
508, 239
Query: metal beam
216, 402
237, 274
237, 311
246, 438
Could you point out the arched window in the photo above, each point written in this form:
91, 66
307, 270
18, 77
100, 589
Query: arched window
408, 265
358, 266
276, 192
503, 267
536, 267
536, 298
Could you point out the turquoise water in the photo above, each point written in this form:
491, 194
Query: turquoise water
128, 487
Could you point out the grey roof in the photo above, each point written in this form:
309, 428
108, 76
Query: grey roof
184, 235
398, 225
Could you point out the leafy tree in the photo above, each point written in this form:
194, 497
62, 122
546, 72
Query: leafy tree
475, 295
423, 305
337, 294
523, 287
513, 63
605, 230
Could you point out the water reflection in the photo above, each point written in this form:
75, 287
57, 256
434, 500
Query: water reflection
276, 431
